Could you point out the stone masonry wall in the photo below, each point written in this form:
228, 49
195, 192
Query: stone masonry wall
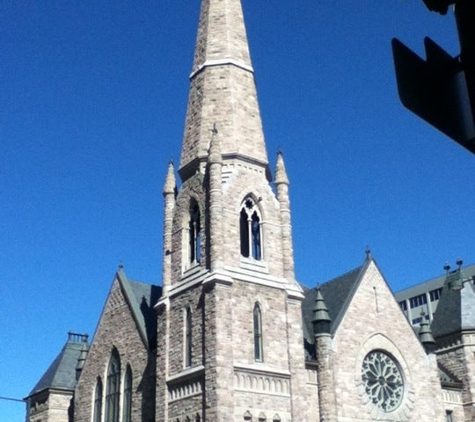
117, 329
456, 354
373, 321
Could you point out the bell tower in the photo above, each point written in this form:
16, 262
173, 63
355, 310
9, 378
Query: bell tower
229, 321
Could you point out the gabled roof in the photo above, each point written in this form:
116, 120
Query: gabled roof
454, 311
141, 298
61, 374
337, 294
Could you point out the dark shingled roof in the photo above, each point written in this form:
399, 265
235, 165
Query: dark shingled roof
62, 372
336, 293
454, 311
142, 298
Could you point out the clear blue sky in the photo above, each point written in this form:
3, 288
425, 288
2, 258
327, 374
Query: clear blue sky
92, 105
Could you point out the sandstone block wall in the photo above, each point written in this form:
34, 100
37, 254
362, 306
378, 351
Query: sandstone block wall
373, 321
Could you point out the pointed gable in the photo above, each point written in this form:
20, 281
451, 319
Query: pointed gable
369, 328
141, 299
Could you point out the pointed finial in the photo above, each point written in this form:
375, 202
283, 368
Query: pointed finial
170, 181
425, 335
368, 252
214, 152
280, 172
320, 317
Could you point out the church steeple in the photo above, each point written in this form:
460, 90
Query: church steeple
223, 92
228, 258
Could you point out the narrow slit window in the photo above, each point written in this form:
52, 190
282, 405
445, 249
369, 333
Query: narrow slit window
127, 410
256, 236
244, 234
258, 352
188, 339
98, 401
195, 233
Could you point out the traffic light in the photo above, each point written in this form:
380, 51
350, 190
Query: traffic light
441, 89
439, 6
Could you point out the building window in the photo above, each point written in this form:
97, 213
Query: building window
403, 305
383, 381
435, 294
188, 339
418, 300
257, 315
113, 388
448, 416
195, 233
98, 401
250, 230
127, 409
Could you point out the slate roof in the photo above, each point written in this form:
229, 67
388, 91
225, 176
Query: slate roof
337, 294
142, 298
62, 372
454, 311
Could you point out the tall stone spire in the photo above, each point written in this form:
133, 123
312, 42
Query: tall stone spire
222, 92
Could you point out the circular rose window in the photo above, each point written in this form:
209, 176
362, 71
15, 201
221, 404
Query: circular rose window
382, 380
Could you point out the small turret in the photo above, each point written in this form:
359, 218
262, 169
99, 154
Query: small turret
215, 164
169, 194
282, 187
425, 335
280, 172
321, 319
170, 182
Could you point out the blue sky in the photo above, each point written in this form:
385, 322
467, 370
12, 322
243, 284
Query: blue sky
92, 107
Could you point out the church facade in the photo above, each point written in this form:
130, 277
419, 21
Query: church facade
231, 335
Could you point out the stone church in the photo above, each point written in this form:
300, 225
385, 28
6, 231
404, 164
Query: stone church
231, 335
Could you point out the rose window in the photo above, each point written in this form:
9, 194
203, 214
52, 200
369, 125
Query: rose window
382, 380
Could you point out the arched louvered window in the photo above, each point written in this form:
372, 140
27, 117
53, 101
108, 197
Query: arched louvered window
127, 406
258, 350
195, 233
250, 230
98, 401
113, 388
188, 338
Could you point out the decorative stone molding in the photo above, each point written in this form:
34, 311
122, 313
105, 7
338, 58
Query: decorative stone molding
185, 384
451, 396
184, 390
402, 412
265, 381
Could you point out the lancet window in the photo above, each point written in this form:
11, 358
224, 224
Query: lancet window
113, 388
257, 317
195, 233
251, 230
188, 338
127, 407
98, 401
